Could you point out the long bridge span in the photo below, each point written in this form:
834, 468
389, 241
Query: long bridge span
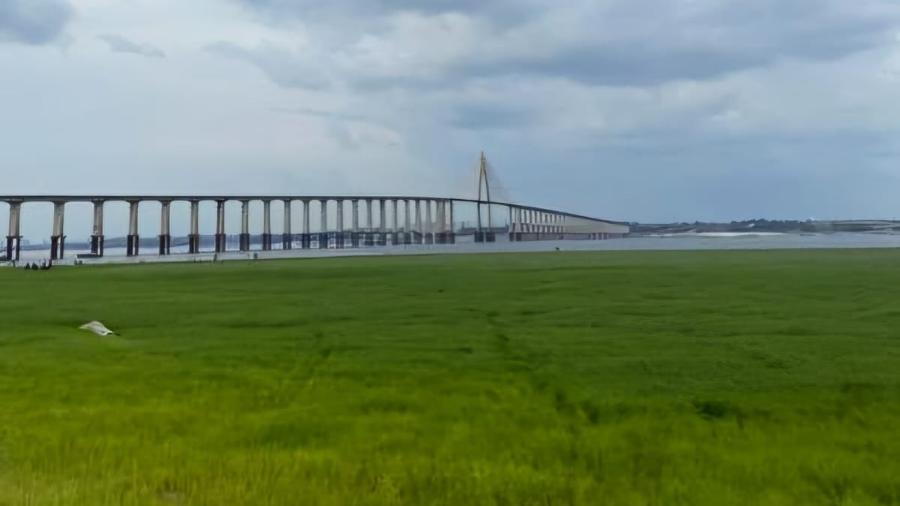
401, 220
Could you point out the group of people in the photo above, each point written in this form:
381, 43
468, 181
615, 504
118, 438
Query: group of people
44, 266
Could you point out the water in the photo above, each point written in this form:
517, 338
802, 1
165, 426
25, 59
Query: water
465, 245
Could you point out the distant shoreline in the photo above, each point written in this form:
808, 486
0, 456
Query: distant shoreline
708, 241
718, 234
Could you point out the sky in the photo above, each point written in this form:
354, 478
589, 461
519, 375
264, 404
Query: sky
635, 110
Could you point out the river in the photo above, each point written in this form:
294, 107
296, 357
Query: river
465, 245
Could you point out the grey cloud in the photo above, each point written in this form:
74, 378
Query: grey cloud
490, 116
33, 22
614, 43
318, 113
627, 65
282, 66
500, 10
119, 44
625, 46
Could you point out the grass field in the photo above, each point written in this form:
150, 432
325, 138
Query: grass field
662, 378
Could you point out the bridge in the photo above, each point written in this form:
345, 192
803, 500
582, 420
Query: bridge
402, 220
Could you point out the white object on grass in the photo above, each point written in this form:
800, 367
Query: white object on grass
97, 328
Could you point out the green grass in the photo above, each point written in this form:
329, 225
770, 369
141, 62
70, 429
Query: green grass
663, 378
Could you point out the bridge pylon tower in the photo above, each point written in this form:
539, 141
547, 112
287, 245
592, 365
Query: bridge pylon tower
484, 192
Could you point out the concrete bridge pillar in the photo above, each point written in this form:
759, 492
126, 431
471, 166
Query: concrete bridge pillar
479, 231
407, 223
354, 234
287, 237
382, 223
440, 222
485, 234
323, 224
267, 226
526, 221
395, 224
244, 238
435, 206
489, 234
221, 238
443, 221
521, 225
165, 232
370, 239
445, 228
97, 229
429, 224
58, 238
451, 232
133, 241
339, 238
194, 235
419, 234
306, 236
519, 214
14, 233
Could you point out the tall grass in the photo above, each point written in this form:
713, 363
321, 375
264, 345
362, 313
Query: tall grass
591, 378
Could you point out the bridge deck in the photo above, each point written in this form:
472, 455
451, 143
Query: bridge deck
273, 197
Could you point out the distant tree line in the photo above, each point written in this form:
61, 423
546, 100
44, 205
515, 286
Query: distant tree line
765, 225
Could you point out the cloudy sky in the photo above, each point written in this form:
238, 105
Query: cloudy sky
644, 110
